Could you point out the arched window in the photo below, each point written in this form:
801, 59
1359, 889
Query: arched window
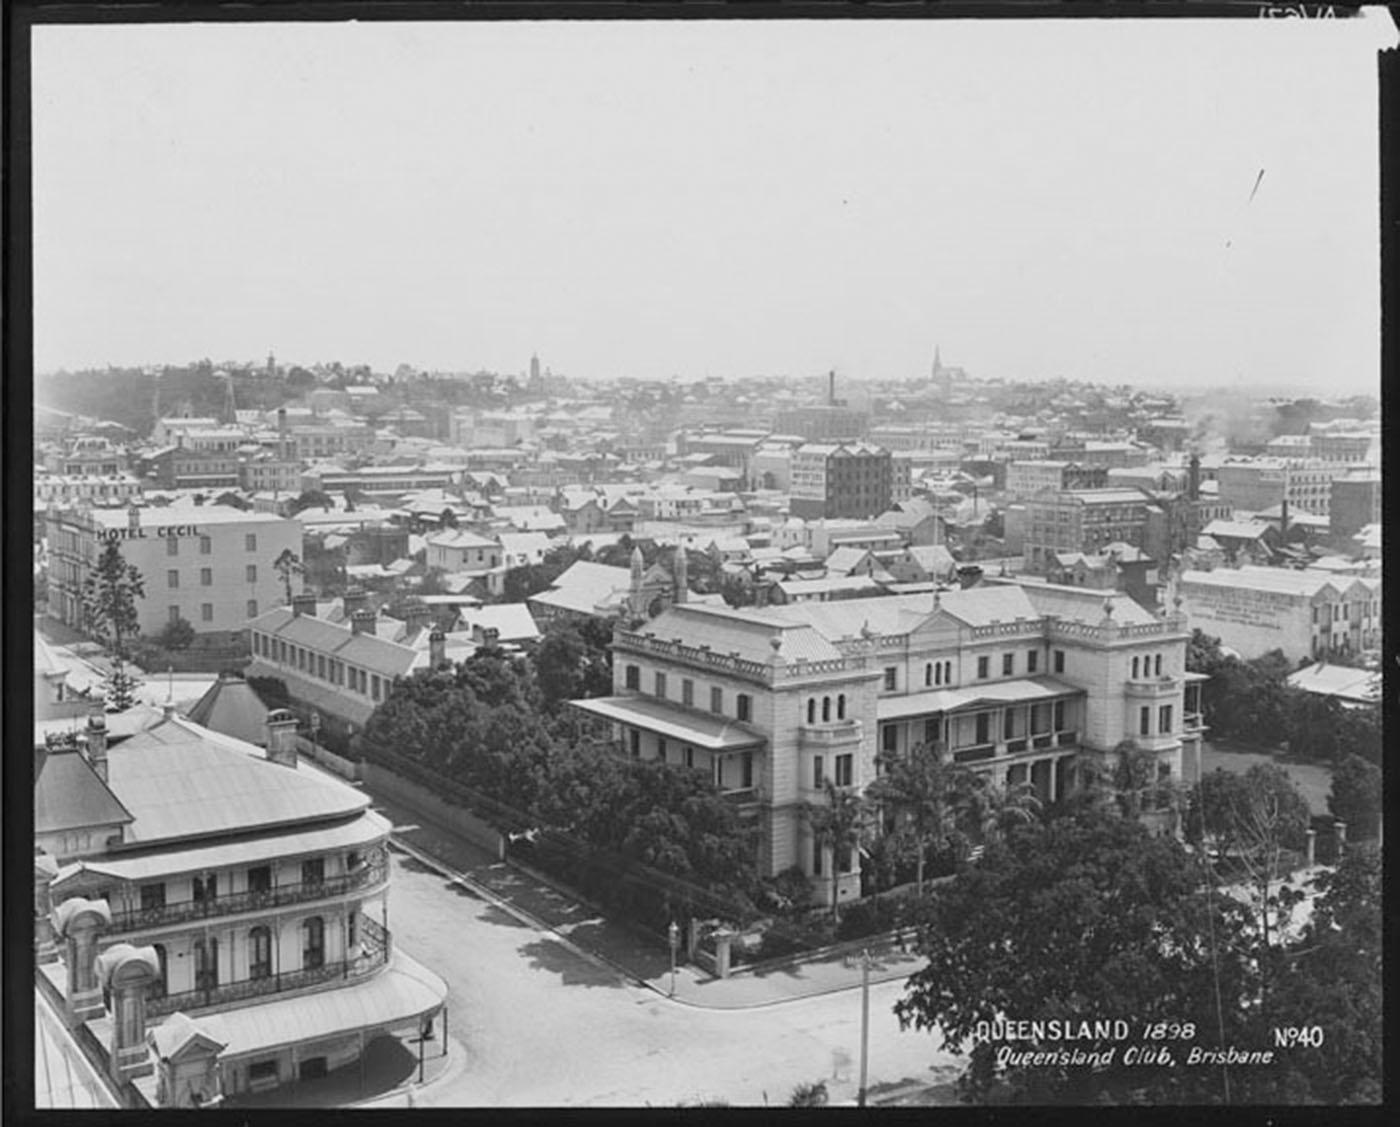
313, 943
812, 710
928, 674
1135, 668
260, 953
841, 706
1158, 664
938, 674
826, 709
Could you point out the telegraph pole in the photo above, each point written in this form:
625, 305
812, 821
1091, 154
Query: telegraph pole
864, 1022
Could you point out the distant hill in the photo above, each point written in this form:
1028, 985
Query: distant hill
127, 395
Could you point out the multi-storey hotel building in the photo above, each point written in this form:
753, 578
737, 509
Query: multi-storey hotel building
1017, 680
210, 565
216, 917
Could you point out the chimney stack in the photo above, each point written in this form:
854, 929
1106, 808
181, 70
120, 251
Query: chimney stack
304, 604
417, 616
831, 388
282, 738
97, 740
1193, 489
437, 649
133, 518
362, 622
356, 599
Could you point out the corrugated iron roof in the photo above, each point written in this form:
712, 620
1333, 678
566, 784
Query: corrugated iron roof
710, 732
403, 991
365, 829
180, 780
68, 795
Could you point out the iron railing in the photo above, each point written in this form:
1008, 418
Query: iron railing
373, 872
375, 947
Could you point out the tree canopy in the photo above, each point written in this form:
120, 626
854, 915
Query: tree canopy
483, 724
1084, 916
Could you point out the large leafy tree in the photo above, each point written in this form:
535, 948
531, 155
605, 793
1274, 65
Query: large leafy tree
482, 725
1330, 979
570, 664
1255, 820
839, 824
1356, 797
1083, 916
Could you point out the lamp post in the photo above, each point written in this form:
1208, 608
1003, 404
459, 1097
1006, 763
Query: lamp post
673, 934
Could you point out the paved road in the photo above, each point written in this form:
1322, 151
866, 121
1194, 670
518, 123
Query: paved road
536, 1024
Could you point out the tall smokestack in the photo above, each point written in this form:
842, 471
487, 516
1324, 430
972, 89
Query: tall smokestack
1193, 487
831, 388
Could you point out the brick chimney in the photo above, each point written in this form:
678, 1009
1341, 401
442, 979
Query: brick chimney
282, 738
97, 740
437, 649
416, 617
357, 598
362, 622
304, 605
1193, 488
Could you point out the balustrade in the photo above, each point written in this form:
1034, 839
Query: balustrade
374, 954
367, 875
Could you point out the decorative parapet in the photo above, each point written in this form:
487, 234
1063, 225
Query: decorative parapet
625, 640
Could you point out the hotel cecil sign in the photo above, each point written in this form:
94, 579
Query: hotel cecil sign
168, 531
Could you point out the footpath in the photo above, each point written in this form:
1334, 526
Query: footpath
537, 901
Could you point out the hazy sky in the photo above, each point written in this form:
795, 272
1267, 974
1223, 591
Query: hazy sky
717, 199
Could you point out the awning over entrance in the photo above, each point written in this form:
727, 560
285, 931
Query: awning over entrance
697, 729
915, 704
405, 991
1023, 690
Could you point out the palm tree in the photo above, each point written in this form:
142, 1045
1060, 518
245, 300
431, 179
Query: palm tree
990, 808
838, 825
286, 565
925, 789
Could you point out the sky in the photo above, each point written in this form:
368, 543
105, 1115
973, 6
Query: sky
1077, 198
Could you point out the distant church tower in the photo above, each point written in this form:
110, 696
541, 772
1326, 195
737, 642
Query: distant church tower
937, 362
636, 596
